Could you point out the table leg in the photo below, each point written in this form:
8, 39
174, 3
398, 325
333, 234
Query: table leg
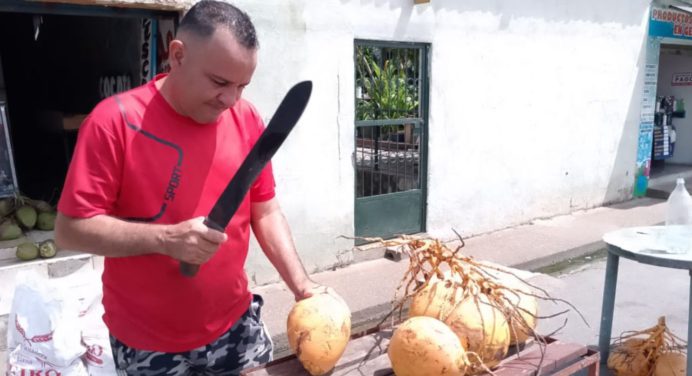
689, 330
611, 280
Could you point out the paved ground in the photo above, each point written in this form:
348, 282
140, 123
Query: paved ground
368, 287
644, 294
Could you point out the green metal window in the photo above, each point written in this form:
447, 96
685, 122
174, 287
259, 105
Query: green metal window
389, 118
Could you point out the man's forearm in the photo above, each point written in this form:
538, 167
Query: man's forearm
108, 236
274, 236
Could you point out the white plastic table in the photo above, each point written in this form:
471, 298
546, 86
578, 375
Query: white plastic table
646, 245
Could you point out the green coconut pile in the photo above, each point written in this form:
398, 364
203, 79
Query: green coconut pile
21, 214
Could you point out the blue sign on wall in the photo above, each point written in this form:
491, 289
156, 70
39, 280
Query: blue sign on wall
669, 23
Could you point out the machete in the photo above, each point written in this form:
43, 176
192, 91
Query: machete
280, 125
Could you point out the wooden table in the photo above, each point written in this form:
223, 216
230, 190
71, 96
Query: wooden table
366, 354
646, 245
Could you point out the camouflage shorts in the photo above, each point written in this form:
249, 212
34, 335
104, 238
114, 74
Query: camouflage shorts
246, 344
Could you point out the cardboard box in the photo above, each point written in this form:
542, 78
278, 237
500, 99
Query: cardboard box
73, 122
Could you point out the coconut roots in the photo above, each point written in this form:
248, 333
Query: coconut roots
638, 353
483, 304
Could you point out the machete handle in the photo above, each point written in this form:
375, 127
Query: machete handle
190, 270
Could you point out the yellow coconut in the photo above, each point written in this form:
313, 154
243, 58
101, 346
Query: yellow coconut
424, 346
319, 328
671, 364
436, 300
521, 296
483, 327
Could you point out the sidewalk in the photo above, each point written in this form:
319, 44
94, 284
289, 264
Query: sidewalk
368, 287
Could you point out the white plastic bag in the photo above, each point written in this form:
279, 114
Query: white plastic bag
44, 331
99, 357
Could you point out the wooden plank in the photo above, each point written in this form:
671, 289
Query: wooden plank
554, 356
589, 361
367, 355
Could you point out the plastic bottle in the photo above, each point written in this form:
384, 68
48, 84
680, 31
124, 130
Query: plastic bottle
679, 205
678, 231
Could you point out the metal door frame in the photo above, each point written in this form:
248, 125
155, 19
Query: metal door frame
424, 87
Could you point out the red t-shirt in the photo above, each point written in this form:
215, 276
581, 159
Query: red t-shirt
138, 159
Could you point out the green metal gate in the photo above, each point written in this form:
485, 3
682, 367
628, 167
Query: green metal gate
391, 138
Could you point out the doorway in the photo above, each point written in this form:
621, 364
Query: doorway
671, 155
391, 132
57, 63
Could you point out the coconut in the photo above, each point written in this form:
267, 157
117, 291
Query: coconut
319, 328
26, 216
484, 327
437, 300
27, 251
46, 221
41, 206
481, 328
6, 206
671, 364
9, 230
423, 346
47, 248
519, 295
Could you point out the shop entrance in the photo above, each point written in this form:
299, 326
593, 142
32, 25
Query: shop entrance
671, 154
664, 151
56, 64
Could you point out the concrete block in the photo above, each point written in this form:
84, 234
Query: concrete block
3, 344
67, 267
8, 277
76, 265
3, 334
393, 253
3, 362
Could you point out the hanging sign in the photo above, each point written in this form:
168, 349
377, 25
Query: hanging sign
165, 34
8, 176
682, 79
649, 93
670, 23
109, 85
145, 51
646, 120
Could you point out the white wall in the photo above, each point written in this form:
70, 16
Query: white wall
668, 65
534, 108
534, 111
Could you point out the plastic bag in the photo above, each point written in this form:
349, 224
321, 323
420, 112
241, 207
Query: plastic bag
44, 331
98, 357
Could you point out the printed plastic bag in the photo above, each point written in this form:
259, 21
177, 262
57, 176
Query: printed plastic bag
44, 334
99, 357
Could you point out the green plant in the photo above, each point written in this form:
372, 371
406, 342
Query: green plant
388, 91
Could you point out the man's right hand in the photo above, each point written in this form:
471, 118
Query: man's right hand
191, 241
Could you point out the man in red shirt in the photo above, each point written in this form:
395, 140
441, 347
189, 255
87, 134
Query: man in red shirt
148, 165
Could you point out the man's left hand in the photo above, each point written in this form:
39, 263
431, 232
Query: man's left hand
313, 288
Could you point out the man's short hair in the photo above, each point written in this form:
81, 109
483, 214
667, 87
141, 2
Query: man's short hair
208, 15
